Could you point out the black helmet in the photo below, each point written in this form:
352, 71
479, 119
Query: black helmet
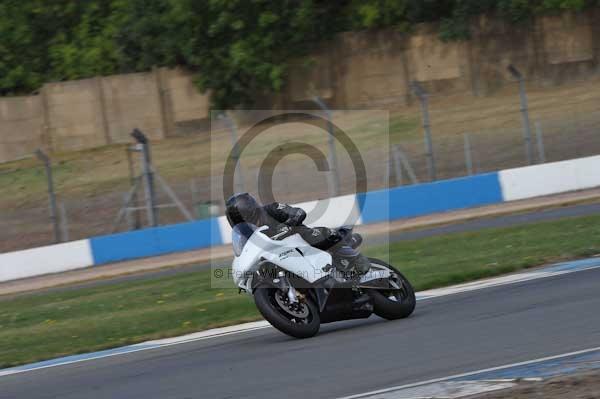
242, 208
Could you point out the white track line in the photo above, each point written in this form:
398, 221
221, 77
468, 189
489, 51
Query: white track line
143, 346
247, 327
495, 282
452, 377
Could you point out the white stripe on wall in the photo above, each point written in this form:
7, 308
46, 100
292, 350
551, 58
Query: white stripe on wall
225, 230
334, 212
551, 178
331, 212
45, 260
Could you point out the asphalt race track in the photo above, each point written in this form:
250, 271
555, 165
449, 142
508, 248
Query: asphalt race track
446, 336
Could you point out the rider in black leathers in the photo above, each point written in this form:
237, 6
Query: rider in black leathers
282, 219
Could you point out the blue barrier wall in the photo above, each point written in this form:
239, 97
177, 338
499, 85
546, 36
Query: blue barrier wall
423, 199
155, 241
377, 206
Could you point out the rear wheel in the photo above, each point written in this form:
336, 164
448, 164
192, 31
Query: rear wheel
399, 301
299, 320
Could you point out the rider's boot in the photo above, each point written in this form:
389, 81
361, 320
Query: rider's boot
362, 302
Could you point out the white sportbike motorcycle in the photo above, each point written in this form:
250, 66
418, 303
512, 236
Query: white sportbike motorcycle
296, 287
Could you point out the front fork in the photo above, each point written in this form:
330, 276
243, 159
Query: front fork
283, 283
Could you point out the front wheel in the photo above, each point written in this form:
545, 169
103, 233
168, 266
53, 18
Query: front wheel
395, 303
299, 320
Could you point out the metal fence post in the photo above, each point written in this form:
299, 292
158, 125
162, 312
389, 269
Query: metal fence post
333, 166
127, 212
148, 177
195, 199
235, 151
136, 222
539, 133
387, 174
406, 163
423, 99
51, 195
126, 208
468, 157
187, 214
64, 223
397, 166
524, 112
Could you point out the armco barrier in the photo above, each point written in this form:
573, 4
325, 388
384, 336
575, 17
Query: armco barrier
423, 199
377, 206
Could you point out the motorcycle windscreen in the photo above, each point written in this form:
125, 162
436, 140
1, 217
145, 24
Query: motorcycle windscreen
240, 235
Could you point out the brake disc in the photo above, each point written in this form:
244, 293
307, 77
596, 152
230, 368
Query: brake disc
294, 309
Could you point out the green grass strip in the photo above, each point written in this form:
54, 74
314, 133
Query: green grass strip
43, 326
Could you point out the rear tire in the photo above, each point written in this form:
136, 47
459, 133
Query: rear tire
264, 298
403, 303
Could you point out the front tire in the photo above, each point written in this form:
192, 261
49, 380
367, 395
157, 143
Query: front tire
393, 304
303, 323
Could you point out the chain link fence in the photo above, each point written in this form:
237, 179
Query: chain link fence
468, 137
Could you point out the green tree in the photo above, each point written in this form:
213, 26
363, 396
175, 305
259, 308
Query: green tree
241, 49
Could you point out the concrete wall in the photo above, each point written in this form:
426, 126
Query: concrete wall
21, 127
495, 45
74, 115
355, 69
371, 69
88, 113
132, 101
187, 103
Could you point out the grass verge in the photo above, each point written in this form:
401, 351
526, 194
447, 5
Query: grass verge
42, 326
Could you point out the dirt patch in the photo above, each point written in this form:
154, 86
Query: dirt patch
581, 386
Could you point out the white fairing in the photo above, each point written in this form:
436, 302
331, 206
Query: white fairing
308, 265
376, 272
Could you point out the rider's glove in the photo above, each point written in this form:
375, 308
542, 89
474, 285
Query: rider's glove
282, 228
333, 236
296, 217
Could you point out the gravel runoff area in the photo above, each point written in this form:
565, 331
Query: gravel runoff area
579, 386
